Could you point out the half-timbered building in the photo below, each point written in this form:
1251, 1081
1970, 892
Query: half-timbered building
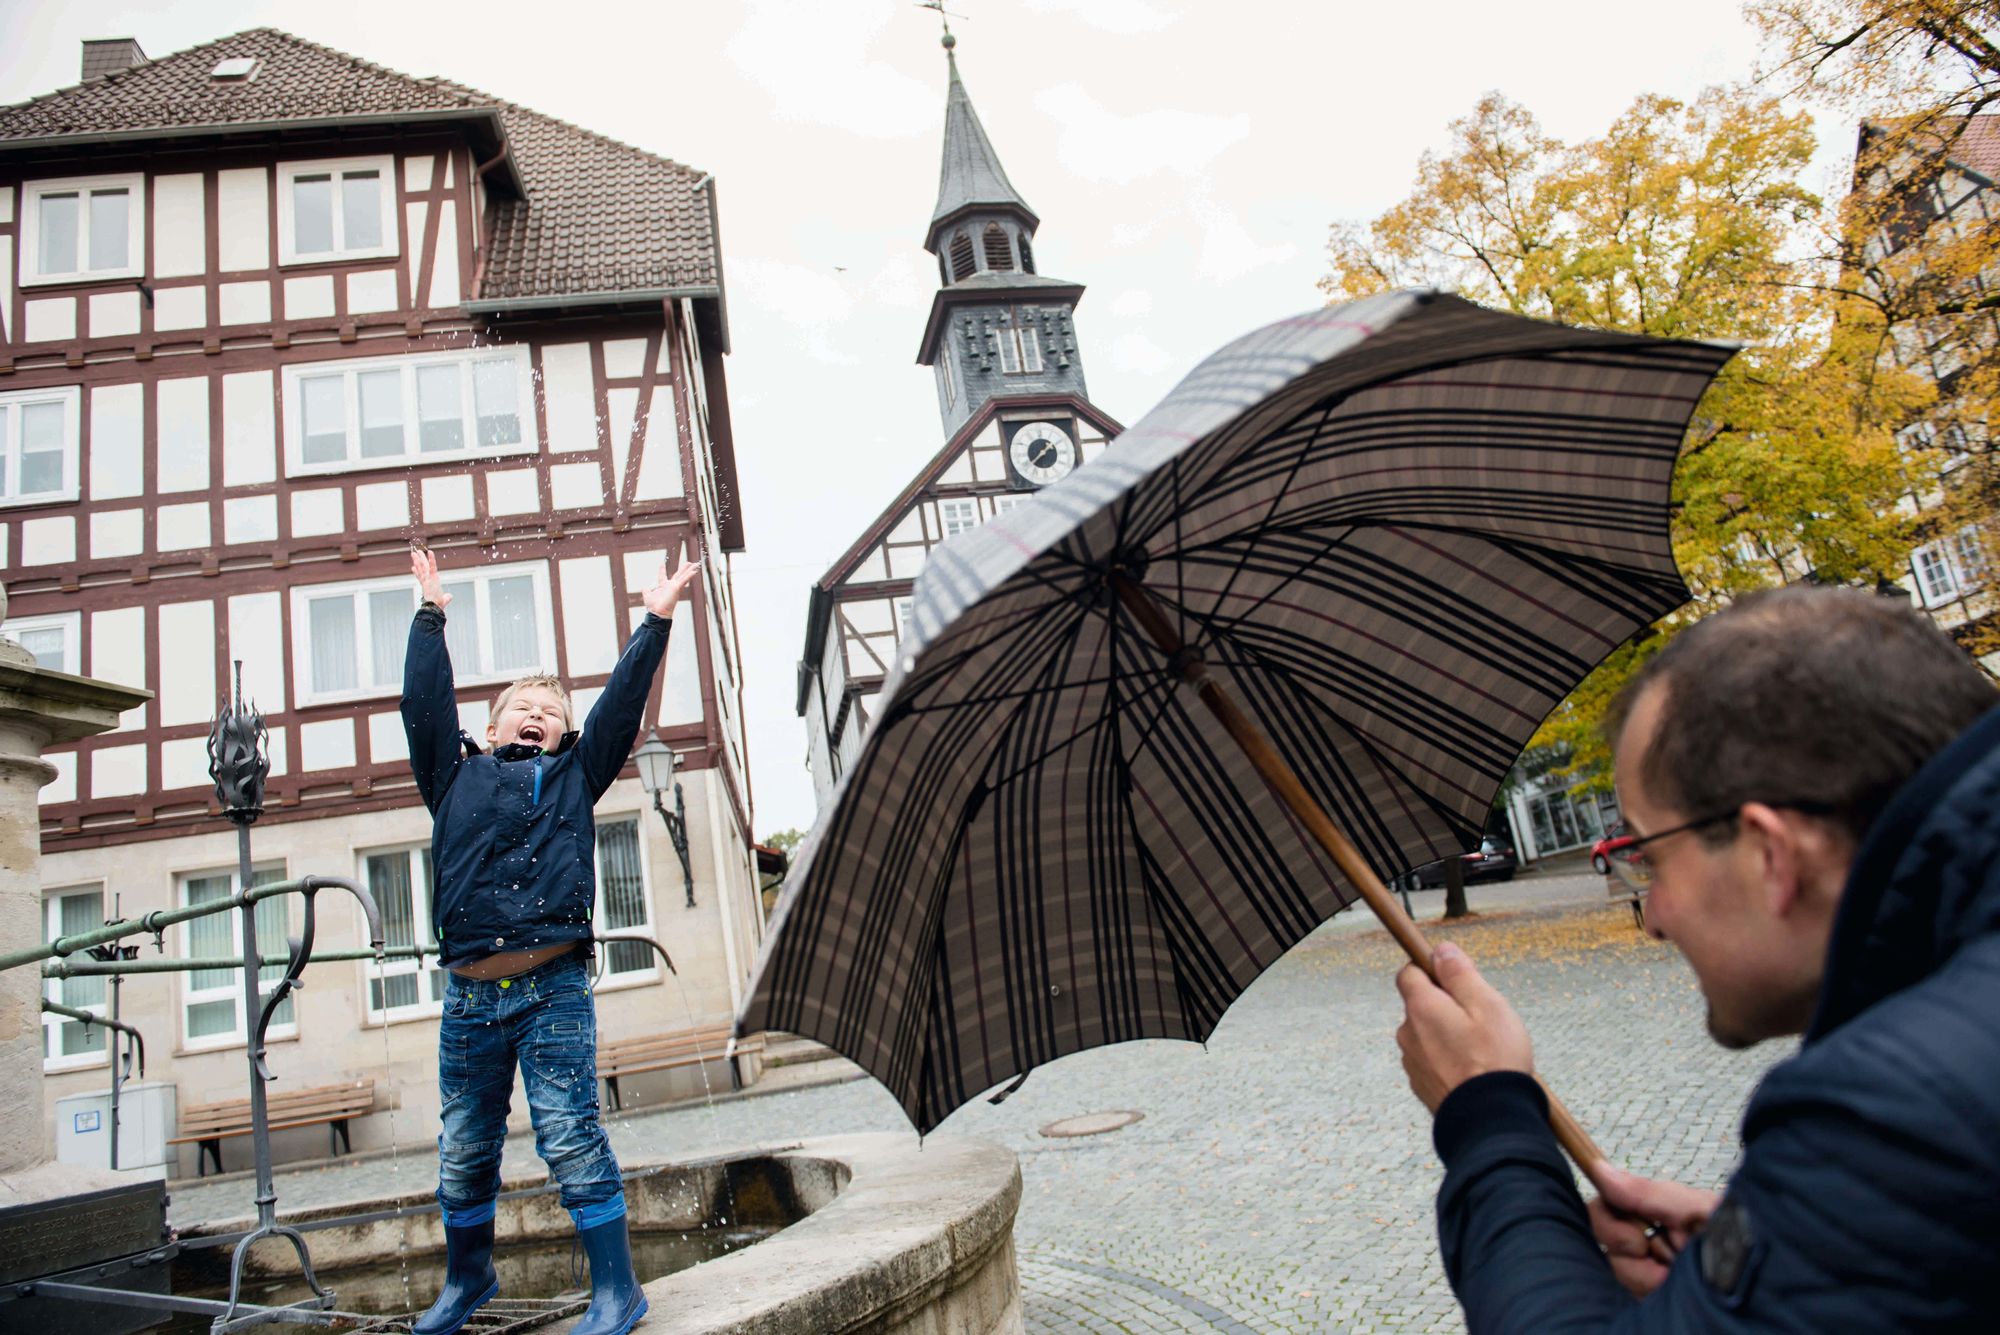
1002, 348
267, 312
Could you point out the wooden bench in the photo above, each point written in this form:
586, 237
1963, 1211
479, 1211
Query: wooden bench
210, 1123
660, 1052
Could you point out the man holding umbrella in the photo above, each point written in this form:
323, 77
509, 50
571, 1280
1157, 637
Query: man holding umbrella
1814, 779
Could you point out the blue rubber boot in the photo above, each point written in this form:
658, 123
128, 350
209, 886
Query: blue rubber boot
469, 1281
616, 1300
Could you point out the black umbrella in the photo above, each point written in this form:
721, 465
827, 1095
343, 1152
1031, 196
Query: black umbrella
1283, 639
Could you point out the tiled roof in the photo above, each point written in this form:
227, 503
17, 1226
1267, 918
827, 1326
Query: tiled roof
1978, 146
600, 216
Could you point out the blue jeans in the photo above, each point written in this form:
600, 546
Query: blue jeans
544, 1019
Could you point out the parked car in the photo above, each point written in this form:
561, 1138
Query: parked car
1600, 852
1493, 860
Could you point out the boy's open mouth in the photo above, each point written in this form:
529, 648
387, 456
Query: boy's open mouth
531, 733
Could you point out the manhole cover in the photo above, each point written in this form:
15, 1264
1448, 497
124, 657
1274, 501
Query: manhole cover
1091, 1124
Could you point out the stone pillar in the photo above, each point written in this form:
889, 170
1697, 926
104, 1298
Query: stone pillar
37, 709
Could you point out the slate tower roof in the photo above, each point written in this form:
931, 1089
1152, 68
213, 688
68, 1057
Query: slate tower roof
970, 176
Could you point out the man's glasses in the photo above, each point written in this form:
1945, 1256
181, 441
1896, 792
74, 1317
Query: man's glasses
1627, 854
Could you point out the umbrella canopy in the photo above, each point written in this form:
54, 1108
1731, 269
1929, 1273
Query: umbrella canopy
1398, 531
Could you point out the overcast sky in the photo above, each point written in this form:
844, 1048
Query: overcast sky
1185, 157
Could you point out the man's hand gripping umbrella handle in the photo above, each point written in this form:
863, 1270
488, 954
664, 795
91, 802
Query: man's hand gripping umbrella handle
1284, 782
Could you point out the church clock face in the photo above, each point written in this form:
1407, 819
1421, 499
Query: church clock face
1042, 452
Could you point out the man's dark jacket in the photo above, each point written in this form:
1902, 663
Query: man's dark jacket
1868, 1198
514, 845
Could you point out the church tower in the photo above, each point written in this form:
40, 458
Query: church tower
1001, 346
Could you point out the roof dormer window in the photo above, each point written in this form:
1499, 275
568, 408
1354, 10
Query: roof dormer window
235, 69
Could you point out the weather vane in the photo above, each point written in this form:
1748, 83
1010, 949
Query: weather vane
945, 17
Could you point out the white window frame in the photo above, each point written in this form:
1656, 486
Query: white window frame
422, 920
191, 997
351, 369
69, 623
1002, 504
1937, 553
288, 172
1968, 558
52, 988
647, 927
948, 511
1019, 355
464, 674
11, 405
134, 183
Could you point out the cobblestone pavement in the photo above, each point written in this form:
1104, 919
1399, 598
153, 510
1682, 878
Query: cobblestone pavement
1282, 1179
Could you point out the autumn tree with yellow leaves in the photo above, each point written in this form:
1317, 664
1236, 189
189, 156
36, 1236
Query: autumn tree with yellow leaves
1685, 220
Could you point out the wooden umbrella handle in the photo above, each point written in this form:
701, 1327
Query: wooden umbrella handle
1284, 781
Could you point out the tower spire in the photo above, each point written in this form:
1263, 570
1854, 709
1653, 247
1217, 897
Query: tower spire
970, 175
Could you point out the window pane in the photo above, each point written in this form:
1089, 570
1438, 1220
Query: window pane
1031, 346
47, 644
1010, 347
58, 234
210, 938
325, 411
361, 210
442, 420
334, 657
389, 613
80, 913
110, 239
381, 414
622, 894
512, 604
493, 392
312, 214
41, 448
273, 926
389, 882
461, 627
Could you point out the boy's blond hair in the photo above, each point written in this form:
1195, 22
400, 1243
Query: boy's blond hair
547, 683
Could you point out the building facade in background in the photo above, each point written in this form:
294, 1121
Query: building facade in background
1001, 344
267, 313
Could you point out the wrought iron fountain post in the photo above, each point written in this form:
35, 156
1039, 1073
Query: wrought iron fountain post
239, 760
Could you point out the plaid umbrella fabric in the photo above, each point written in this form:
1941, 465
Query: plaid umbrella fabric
1398, 531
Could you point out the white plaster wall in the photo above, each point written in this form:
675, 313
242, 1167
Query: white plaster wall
576, 486
444, 267
256, 636
589, 618
117, 533
243, 218
624, 358
447, 499
249, 429
180, 238
568, 396
49, 319
180, 528
680, 697
244, 303
180, 307
374, 290
309, 298
248, 519
118, 653
187, 662
660, 458
623, 406
114, 314
317, 513
181, 413
117, 420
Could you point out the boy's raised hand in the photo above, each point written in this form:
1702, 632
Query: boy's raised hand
665, 594
425, 567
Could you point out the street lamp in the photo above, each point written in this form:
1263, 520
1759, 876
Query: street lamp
658, 765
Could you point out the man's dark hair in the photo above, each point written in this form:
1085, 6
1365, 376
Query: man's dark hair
1803, 694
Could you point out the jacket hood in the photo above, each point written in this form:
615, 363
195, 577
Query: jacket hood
1925, 881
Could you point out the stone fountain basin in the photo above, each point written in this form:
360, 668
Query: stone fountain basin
876, 1234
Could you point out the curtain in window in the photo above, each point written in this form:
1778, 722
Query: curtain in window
389, 612
110, 235
273, 927
511, 603
41, 448
442, 421
381, 413
76, 913
389, 882
494, 395
461, 628
58, 236
209, 938
335, 653
621, 889
312, 214
323, 403
47, 644
361, 210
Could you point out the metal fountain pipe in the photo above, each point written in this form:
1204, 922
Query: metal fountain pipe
92, 1017
88, 968
312, 885
153, 924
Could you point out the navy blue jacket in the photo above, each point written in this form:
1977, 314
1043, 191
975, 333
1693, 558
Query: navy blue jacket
514, 844
1868, 1196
